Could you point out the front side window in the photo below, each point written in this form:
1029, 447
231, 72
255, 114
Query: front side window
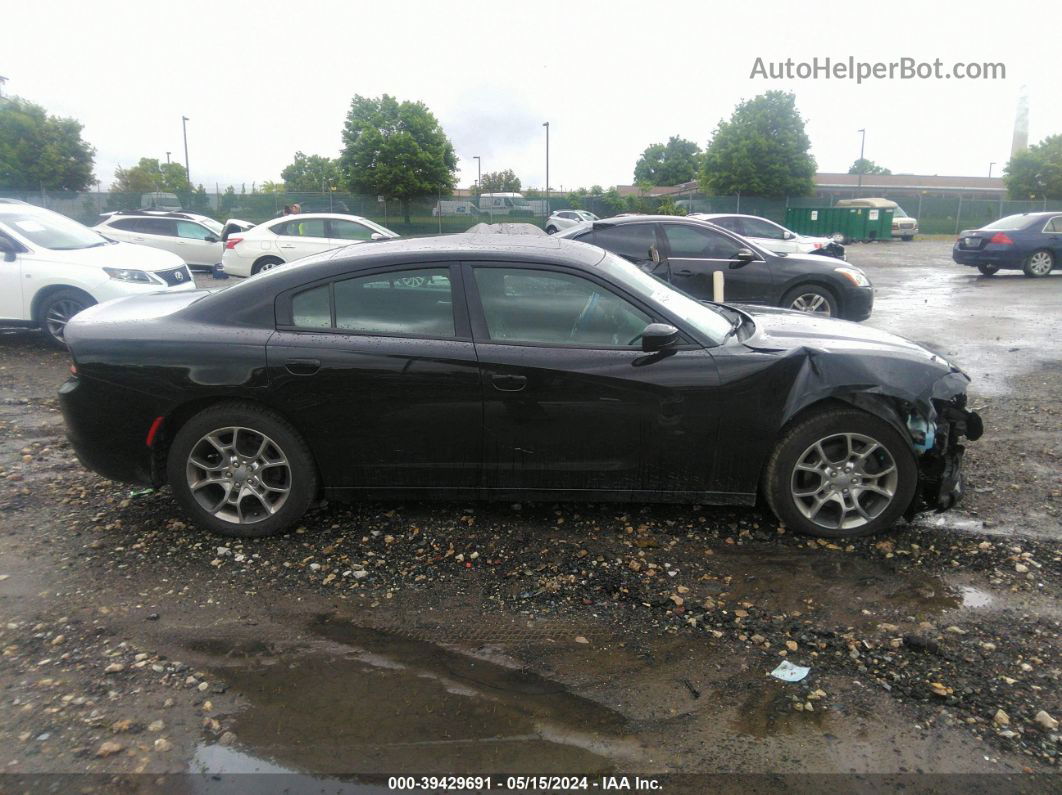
192, 231
695, 243
536, 306
156, 226
415, 302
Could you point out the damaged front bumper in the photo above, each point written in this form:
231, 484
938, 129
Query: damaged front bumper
940, 478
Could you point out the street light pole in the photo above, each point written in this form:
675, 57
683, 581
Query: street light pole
167, 158
862, 144
187, 170
990, 169
546, 125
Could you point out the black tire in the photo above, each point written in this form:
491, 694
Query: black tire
1038, 264
551, 230
266, 263
988, 270
56, 309
808, 295
908, 238
258, 423
828, 427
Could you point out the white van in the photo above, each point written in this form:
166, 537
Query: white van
903, 225
454, 207
504, 204
160, 201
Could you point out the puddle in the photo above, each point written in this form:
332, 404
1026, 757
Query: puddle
768, 711
366, 702
975, 597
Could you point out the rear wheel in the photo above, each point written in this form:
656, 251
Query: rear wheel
551, 230
56, 311
812, 299
988, 270
1039, 264
841, 472
265, 264
241, 470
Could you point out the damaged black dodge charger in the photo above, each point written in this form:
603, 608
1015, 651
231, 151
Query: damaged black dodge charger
462, 367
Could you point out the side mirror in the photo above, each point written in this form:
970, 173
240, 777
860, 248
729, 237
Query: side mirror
658, 336
742, 257
378, 236
8, 249
787, 235
211, 238
654, 255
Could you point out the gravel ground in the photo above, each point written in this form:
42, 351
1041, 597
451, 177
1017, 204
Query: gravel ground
589, 637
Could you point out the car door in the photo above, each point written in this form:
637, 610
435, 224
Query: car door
302, 236
157, 233
378, 371
197, 245
1053, 230
11, 281
571, 403
695, 253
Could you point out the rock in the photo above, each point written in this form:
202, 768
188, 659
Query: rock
1001, 718
156, 726
152, 616
888, 627
114, 668
940, 689
58, 639
228, 738
1046, 722
121, 725
223, 551
162, 744
109, 748
956, 630
791, 645
1021, 568
581, 639
678, 600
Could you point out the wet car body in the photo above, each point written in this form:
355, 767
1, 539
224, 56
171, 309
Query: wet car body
1031, 242
402, 415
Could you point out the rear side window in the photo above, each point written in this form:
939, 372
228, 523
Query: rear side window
632, 241
415, 302
307, 227
156, 226
1054, 225
124, 224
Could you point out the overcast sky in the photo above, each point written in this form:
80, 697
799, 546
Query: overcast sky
262, 80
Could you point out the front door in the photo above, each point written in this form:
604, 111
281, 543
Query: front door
695, 253
197, 245
379, 373
572, 406
11, 284
302, 236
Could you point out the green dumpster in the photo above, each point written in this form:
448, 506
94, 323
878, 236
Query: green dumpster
850, 223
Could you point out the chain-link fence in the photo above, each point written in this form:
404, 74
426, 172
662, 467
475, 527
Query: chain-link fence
442, 213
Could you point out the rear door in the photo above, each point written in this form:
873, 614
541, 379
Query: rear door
1053, 230
695, 253
572, 406
633, 242
302, 236
378, 371
157, 233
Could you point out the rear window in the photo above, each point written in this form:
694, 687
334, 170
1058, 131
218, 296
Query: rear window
1011, 222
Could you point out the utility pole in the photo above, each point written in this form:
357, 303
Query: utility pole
187, 169
546, 125
990, 169
862, 144
167, 158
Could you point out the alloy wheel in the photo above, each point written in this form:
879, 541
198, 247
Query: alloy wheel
844, 481
813, 303
1040, 263
59, 315
238, 475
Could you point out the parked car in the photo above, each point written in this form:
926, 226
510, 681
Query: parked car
904, 226
292, 237
454, 207
168, 202
196, 239
566, 219
774, 237
470, 366
52, 267
687, 252
1031, 242
324, 204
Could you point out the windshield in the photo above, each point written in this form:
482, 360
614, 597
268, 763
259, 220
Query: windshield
586, 216
212, 225
52, 231
701, 316
898, 212
1010, 223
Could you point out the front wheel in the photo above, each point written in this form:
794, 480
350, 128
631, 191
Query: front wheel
841, 472
812, 299
240, 470
57, 310
551, 230
1039, 264
988, 270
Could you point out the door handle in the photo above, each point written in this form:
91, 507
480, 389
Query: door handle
287, 245
302, 366
509, 383
684, 272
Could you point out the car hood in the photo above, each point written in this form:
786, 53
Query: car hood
117, 255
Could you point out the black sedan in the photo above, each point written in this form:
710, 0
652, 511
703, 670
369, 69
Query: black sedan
687, 252
1030, 242
478, 366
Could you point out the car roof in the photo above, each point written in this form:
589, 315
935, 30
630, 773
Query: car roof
181, 214
341, 216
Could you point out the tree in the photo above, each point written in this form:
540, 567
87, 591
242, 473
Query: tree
38, 151
269, 186
311, 173
396, 150
762, 150
148, 176
672, 163
500, 182
1036, 172
864, 166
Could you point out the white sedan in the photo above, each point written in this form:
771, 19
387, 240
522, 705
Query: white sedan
52, 267
566, 219
292, 237
773, 237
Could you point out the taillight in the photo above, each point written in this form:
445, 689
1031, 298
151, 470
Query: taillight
1002, 239
73, 369
230, 244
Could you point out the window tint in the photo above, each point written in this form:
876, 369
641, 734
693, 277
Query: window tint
400, 302
691, 241
192, 231
1054, 225
156, 226
524, 305
349, 230
125, 224
733, 224
627, 240
755, 227
307, 227
312, 308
